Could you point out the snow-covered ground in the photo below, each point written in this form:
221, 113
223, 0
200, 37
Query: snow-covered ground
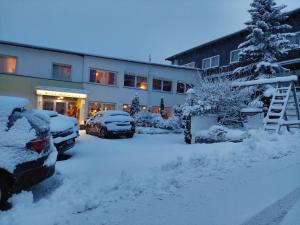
159, 180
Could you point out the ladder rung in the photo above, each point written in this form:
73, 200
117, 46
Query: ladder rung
278, 101
272, 120
270, 128
283, 88
274, 114
276, 107
280, 95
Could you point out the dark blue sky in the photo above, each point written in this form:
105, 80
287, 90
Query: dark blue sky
123, 28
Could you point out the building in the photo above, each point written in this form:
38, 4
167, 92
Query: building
220, 57
80, 84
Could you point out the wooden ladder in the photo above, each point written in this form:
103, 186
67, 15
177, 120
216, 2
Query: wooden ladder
284, 109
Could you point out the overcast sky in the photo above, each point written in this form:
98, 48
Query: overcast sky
123, 28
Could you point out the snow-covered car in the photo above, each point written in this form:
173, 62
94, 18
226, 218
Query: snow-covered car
27, 153
75, 125
111, 123
62, 129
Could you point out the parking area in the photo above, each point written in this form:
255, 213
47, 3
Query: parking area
117, 181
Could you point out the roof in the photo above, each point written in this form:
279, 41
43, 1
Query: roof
90, 54
221, 38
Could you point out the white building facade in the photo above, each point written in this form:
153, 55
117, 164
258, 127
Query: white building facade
79, 84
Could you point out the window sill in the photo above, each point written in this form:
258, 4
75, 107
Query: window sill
104, 85
165, 92
134, 88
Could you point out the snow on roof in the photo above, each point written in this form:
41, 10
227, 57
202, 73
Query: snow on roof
7, 105
265, 81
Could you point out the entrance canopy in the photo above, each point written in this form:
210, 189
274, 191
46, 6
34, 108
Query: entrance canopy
61, 92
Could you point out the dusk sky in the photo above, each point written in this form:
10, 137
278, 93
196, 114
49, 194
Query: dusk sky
123, 28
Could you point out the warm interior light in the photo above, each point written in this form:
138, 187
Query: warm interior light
61, 94
125, 106
60, 98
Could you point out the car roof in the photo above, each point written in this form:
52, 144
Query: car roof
113, 112
46, 112
7, 105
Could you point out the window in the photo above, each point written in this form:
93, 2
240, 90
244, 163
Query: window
155, 109
108, 106
156, 84
62, 72
93, 108
167, 111
182, 87
234, 56
103, 77
134, 81
162, 85
8, 64
211, 62
126, 108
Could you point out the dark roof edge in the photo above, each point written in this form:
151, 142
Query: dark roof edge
220, 38
91, 55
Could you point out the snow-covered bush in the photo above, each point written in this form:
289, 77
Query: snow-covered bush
135, 105
147, 119
267, 40
219, 134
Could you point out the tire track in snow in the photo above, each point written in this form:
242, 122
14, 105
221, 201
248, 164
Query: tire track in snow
274, 214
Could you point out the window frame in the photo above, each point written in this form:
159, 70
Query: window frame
231, 52
61, 64
135, 81
162, 84
210, 62
103, 71
11, 56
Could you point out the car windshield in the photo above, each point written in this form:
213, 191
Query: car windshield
123, 114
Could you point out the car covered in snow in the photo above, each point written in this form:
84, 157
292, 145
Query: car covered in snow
63, 129
27, 153
111, 123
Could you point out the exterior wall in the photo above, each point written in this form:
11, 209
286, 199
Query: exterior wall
38, 63
123, 95
22, 86
225, 45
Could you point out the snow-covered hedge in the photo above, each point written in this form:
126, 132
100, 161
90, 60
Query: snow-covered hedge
147, 119
219, 134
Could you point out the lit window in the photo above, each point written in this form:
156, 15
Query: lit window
126, 108
162, 85
93, 108
211, 62
234, 56
103, 77
155, 109
8, 64
108, 106
139, 82
62, 72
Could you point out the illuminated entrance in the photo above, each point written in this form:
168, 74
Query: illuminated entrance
65, 101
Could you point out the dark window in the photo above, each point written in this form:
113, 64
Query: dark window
188, 86
62, 72
157, 84
180, 87
167, 86
129, 80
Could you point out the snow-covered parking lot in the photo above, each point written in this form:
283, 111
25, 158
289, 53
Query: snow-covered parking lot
159, 180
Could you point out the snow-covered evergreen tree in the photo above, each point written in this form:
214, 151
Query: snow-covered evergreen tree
162, 107
135, 105
267, 40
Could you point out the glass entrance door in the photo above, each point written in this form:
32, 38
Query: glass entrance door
60, 107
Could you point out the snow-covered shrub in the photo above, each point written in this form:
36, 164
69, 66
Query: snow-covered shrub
220, 134
135, 106
147, 119
267, 40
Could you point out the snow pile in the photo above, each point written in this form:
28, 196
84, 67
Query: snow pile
153, 130
13, 143
7, 105
220, 134
85, 200
153, 120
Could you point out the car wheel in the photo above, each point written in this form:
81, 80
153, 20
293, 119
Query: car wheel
4, 194
103, 132
130, 135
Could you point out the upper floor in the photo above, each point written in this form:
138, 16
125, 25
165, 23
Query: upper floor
223, 52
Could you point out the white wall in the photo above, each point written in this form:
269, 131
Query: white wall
38, 63
123, 95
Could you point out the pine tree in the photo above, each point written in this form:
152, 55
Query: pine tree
266, 41
135, 105
162, 107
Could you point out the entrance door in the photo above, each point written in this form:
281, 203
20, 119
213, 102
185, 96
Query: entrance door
61, 107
